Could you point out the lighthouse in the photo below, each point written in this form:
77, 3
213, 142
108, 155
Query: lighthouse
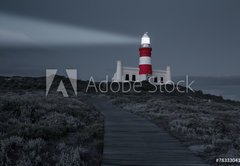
145, 66
144, 70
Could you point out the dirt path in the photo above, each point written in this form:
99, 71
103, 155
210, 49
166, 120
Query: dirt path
132, 140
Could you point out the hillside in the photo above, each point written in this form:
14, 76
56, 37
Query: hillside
53, 130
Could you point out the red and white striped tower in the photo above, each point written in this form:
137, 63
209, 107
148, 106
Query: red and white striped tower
145, 66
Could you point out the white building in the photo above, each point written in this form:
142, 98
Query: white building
144, 71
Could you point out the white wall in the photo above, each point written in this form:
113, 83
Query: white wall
165, 74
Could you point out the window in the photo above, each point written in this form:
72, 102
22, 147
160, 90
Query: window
127, 77
161, 79
133, 77
155, 79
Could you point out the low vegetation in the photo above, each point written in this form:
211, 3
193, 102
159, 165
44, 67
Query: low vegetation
209, 128
38, 130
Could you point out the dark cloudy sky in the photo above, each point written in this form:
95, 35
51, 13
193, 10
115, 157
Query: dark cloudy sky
194, 37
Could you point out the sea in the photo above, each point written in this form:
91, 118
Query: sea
227, 87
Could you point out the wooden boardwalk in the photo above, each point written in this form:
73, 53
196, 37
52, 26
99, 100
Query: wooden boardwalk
132, 140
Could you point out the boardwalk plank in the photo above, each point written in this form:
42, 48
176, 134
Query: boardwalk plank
133, 140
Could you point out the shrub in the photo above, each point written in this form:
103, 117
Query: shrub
38, 130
